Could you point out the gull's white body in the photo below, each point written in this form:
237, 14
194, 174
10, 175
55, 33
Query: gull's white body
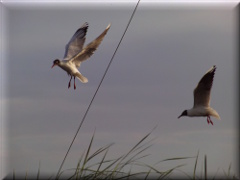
202, 111
72, 70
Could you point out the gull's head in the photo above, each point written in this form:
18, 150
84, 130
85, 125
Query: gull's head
184, 113
56, 62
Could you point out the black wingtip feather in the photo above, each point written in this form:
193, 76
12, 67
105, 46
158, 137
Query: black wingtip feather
84, 27
213, 69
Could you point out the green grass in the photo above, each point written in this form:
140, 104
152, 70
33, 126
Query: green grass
121, 167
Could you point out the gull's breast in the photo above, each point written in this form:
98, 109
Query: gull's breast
198, 111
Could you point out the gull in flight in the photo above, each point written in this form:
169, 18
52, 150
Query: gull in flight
201, 95
75, 53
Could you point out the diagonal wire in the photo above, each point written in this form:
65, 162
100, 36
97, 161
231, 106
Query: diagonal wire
109, 64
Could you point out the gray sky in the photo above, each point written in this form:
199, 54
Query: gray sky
165, 52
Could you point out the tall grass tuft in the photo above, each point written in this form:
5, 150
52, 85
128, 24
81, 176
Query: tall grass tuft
121, 167
114, 168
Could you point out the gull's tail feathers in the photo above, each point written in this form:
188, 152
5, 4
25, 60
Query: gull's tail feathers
81, 77
215, 114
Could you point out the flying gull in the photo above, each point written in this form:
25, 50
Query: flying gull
201, 95
75, 54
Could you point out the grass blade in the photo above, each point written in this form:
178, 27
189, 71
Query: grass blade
13, 174
147, 174
100, 164
99, 151
131, 150
87, 154
229, 169
205, 166
176, 158
168, 172
188, 176
195, 166
26, 175
38, 174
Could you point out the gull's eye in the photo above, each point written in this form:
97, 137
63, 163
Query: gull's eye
56, 61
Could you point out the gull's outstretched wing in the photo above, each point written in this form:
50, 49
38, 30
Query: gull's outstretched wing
203, 90
89, 49
76, 43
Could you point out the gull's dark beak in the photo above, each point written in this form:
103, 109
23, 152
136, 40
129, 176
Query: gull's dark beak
184, 113
53, 65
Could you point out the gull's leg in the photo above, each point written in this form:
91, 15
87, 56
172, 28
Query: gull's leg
69, 84
210, 120
74, 83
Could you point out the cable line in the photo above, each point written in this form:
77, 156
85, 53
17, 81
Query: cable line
89, 106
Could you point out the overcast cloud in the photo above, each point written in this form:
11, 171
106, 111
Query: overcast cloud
165, 52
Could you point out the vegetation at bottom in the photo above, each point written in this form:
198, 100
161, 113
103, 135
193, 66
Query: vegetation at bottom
121, 166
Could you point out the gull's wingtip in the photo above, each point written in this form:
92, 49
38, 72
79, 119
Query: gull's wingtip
109, 25
212, 69
86, 24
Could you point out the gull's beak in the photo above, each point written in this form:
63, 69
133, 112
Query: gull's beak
179, 116
53, 65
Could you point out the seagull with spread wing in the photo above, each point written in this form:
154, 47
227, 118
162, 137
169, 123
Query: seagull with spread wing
202, 94
75, 53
